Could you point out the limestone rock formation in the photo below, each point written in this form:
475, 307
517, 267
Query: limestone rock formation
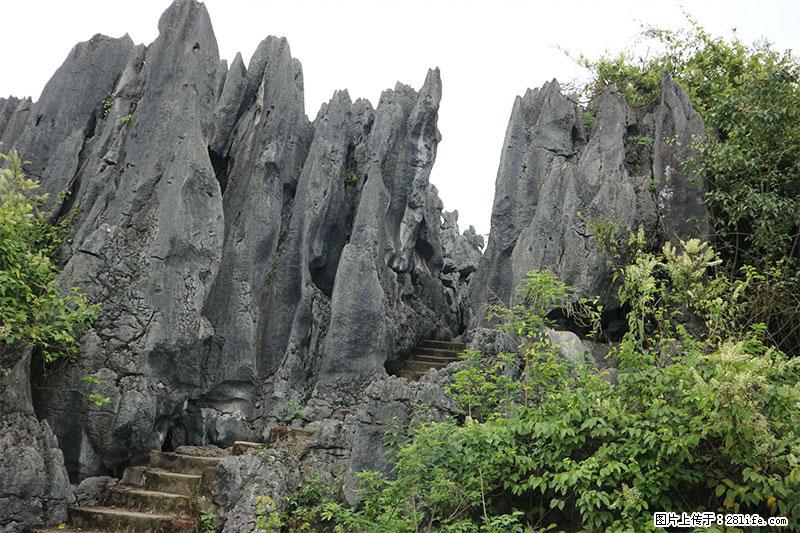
462, 255
555, 178
34, 487
246, 259
387, 293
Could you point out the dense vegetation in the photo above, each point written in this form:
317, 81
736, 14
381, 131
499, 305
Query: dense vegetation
33, 308
698, 410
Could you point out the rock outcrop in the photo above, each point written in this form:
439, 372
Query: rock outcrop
34, 487
246, 259
555, 179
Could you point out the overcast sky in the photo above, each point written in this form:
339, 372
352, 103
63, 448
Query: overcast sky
488, 52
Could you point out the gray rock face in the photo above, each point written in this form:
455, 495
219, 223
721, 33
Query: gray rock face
462, 255
341, 442
58, 127
92, 490
387, 293
391, 405
146, 246
554, 179
246, 260
266, 154
252, 485
34, 487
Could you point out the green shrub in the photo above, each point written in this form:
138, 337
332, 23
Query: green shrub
33, 308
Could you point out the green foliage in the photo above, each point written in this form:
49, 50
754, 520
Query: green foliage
351, 177
296, 409
701, 416
268, 518
207, 518
98, 399
588, 119
636, 79
108, 103
749, 99
126, 119
33, 308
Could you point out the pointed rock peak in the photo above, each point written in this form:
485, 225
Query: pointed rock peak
552, 86
189, 20
340, 101
269, 50
342, 98
96, 49
432, 88
238, 63
272, 54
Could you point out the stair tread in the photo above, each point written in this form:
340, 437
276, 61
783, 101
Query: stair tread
161, 471
437, 351
117, 511
145, 492
443, 343
198, 458
67, 529
417, 358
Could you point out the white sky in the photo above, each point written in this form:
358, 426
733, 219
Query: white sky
488, 52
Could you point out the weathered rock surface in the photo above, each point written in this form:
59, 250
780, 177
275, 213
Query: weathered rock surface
91, 491
34, 487
252, 485
387, 293
146, 246
331, 449
555, 178
246, 259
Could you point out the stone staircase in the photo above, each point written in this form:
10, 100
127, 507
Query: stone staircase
430, 354
160, 497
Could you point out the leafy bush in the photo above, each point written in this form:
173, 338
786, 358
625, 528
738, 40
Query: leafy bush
699, 415
33, 308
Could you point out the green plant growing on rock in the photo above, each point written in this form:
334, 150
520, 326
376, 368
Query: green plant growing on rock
351, 177
34, 309
207, 519
108, 103
97, 399
268, 518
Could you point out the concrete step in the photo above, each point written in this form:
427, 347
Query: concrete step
411, 375
436, 351
286, 434
421, 366
241, 446
158, 480
184, 464
149, 501
124, 521
66, 529
433, 358
443, 345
